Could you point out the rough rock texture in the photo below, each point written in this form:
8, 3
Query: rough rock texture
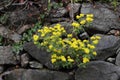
24, 60
104, 18
35, 64
9, 34
42, 56
107, 46
98, 70
27, 16
60, 12
23, 74
1, 69
6, 55
73, 9
117, 62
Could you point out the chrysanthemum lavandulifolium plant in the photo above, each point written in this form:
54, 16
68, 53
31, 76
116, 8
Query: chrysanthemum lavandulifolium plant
68, 51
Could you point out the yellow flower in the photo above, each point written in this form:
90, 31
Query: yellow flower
69, 59
42, 35
85, 41
35, 37
39, 30
89, 19
35, 42
75, 24
53, 56
90, 15
83, 22
95, 42
94, 53
69, 35
91, 46
82, 15
50, 46
77, 17
86, 50
59, 51
63, 58
85, 60
92, 38
98, 37
53, 60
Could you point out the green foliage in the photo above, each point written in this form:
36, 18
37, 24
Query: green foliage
114, 3
27, 37
3, 18
57, 5
17, 47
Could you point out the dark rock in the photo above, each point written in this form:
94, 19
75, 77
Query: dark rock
6, 55
56, 20
9, 34
1, 69
23, 74
60, 12
83, 36
111, 60
36, 65
107, 46
98, 70
41, 55
26, 16
73, 9
105, 19
24, 60
117, 62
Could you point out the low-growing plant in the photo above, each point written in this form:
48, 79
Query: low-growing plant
27, 37
67, 50
114, 3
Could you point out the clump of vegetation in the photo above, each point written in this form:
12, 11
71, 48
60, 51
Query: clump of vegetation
70, 50
114, 3
27, 37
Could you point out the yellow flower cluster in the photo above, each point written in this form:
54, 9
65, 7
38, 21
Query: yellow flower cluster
85, 60
80, 16
95, 39
83, 20
35, 37
55, 58
75, 24
69, 50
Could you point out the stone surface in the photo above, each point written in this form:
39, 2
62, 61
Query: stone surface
1, 69
105, 19
24, 60
117, 62
98, 70
107, 46
26, 16
73, 9
24, 74
6, 55
42, 56
60, 12
4, 32
35, 64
